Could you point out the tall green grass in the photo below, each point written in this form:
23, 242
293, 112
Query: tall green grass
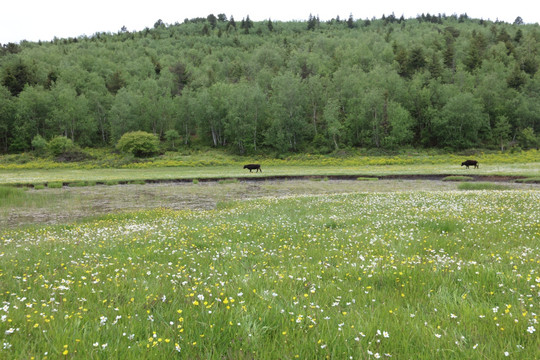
11, 195
482, 186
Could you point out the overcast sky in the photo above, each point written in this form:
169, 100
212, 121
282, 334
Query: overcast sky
35, 20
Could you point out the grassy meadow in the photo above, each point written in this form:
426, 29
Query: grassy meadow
20, 170
421, 274
229, 269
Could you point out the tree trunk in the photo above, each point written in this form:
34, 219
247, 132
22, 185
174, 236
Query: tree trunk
315, 119
214, 137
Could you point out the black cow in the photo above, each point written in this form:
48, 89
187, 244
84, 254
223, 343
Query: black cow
253, 167
470, 163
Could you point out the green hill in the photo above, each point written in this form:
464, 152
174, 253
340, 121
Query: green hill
255, 87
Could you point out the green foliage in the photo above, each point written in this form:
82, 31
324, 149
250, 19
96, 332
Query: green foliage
275, 87
39, 144
60, 145
172, 137
16, 76
138, 143
528, 138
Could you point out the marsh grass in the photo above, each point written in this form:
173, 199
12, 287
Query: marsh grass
78, 184
482, 186
55, 185
531, 180
10, 193
136, 182
24, 198
201, 166
367, 179
401, 275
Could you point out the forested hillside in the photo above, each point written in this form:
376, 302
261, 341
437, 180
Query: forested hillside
434, 81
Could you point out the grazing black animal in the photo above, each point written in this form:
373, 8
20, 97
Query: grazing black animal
470, 163
253, 167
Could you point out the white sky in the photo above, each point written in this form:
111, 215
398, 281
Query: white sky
35, 20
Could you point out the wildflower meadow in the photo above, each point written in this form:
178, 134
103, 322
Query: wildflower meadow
402, 275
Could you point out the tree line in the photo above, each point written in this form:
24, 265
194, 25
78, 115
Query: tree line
432, 81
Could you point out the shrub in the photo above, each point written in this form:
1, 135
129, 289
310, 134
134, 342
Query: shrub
60, 145
138, 143
39, 144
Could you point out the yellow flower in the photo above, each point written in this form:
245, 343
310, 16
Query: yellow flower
65, 352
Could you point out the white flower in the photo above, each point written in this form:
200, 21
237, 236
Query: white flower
531, 329
377, 355
506, 353
453, 316
438, 336
475, 346
385, 334
103, 346
96, 344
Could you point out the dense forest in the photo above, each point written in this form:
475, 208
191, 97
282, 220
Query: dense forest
450, 82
